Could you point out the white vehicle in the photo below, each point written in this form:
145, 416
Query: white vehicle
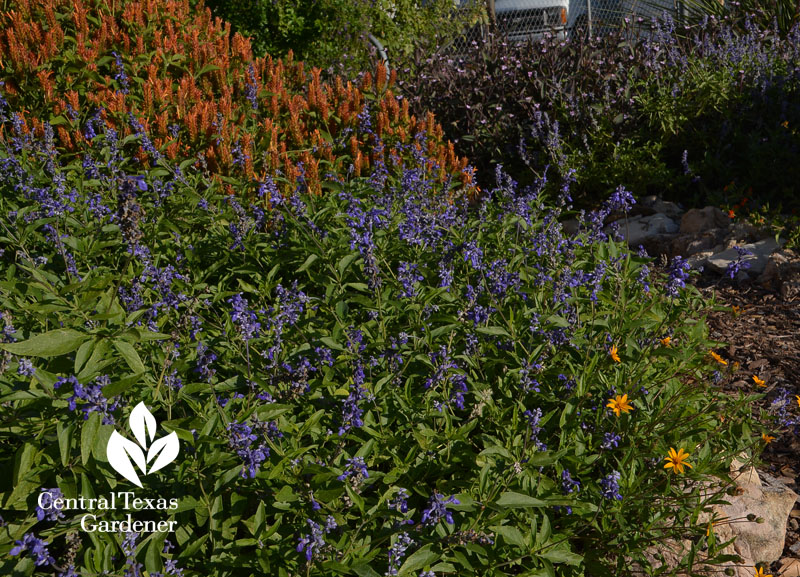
606, 15
522, 20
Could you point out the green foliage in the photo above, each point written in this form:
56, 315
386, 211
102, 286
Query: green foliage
333, 34
482, 373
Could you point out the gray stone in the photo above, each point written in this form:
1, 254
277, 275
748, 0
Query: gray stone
781, 265
699, 259
768, 500
698, 220
570, 226
758, 260
639, 229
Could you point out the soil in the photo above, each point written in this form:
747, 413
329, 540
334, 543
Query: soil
763, 335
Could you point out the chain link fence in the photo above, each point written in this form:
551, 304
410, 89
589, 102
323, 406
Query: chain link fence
523, 20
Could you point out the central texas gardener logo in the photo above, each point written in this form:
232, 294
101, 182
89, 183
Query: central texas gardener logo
121, 451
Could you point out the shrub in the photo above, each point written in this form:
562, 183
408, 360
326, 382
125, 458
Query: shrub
679, 112
333, 34
179, 77
380, 380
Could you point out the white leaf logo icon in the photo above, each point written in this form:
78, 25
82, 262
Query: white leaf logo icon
141, 419
166, 448
121, 451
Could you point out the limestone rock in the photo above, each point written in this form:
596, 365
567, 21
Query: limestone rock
758, 260
639, 229
698, 220
766, 499
666, 207
781, 265
570, 226
790, 567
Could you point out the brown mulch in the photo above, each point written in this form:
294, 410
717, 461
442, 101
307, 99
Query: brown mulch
763, 335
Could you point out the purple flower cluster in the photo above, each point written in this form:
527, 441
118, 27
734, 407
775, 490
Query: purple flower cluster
120, 75
25, 368
205, 357
610, 486
437, 509
92, 397
246, 320
737, 265
397, 551
533, 418
610, 441
408, 275
400, 501
315, 542
49, 512
678, 272
132, 567
35, 548
249, 442
356, 469
568, 485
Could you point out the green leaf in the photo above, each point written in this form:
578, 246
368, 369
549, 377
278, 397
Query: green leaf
204, 69
562, 556
496, 331
64, 435
49, 344
364, 570
309, 261
511, 535
114, 389
23, 462
130, 355
418, 560
513, 500
345, 262
152, 559
83, 354
88, 433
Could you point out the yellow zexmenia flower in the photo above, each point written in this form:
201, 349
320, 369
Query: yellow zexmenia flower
718, 358
666, 341
798, 399
767, 438
620, 404
759, 382
677, 460
760, 572
614, 355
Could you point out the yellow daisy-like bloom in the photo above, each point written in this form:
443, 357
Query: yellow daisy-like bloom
666, 341
759, 382
736, 310
718, 358
620, 404
767, 438
760, 572
677, 460
614, 355
798, 399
